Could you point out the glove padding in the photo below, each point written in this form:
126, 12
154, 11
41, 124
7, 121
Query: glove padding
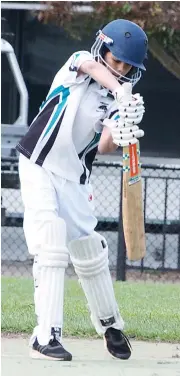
132, 112
123, 134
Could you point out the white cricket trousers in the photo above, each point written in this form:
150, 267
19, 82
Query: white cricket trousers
47, 196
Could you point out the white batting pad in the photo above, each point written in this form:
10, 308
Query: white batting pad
36, 283
89, 256
52, 262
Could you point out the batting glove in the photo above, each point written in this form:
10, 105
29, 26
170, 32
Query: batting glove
130, 111
123, 134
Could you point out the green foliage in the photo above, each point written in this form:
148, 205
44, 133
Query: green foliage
160, 20
154, 16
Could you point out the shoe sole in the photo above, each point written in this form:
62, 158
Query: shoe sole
37, 355
114, 357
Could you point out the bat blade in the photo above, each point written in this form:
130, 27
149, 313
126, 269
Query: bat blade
132, 204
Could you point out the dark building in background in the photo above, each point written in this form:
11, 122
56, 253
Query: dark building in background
41, 51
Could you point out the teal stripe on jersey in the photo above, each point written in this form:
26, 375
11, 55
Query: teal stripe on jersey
93, 142
77, 55
57, 91
59, 109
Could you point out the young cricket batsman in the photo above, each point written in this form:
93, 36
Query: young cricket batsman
83, 112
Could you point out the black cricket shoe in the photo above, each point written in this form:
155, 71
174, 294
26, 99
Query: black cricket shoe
52, 351
117, 343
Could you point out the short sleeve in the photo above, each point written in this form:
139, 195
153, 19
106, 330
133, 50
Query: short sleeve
75, 62
78, 58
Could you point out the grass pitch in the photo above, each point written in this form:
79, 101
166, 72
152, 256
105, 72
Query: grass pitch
151, 310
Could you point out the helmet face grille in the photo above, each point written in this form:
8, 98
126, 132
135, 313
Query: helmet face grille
96, 49
133, 77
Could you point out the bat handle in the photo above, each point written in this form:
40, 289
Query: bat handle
127, 90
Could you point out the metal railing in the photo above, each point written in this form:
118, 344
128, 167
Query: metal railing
161, 193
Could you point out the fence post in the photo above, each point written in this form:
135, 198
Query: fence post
121, 248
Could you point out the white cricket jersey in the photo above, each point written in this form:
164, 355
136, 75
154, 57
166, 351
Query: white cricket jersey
64, 136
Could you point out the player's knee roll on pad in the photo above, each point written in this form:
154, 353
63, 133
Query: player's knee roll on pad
52, 262
89, 256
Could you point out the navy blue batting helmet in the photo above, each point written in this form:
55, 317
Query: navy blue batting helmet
126, 41
129, 42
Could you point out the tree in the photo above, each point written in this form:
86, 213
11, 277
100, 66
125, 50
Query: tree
159, 19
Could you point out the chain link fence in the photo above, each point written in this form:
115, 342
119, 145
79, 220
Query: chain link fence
161, 191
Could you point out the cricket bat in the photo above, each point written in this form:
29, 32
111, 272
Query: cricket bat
132, 199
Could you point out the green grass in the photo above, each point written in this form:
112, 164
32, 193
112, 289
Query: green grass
151, 311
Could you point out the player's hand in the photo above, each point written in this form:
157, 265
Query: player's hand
130, 111
123, 134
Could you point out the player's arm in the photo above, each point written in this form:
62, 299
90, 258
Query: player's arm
103, 76
106, 144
